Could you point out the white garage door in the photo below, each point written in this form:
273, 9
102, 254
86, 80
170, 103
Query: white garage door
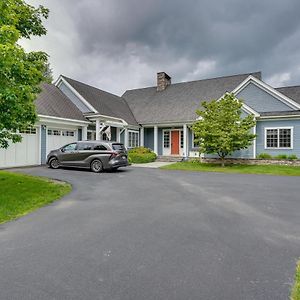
26, 153
57, 138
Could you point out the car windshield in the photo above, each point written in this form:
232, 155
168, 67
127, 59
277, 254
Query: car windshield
118, 146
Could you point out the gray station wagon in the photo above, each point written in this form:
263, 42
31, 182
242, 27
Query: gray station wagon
94, 155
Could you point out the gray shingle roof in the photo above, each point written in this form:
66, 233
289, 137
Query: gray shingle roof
104, 102
179, 101
52, 102
293, 92
281, 113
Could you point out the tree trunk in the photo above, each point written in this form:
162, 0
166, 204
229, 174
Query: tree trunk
223, 162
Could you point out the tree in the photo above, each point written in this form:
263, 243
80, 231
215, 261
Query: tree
220, 128
20, 72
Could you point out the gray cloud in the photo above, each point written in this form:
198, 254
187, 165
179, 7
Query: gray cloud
117, 45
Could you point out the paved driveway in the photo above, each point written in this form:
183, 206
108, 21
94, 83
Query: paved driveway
153, 234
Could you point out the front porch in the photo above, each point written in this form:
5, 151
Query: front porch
167, 140
105, 128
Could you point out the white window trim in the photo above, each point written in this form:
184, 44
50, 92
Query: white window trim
279, 148
138, 139
163, 138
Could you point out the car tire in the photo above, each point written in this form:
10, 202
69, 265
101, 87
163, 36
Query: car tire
96, 166
54, 163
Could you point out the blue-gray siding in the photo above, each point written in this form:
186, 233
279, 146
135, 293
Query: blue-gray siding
122, 136
79, 134
80, 105
260, 141
261, 101
149, 138
43, 144
160, 141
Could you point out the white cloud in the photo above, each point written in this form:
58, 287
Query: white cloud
279, 79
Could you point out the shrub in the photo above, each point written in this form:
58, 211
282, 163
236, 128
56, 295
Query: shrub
264, 156
292, 157
281, 156
140, 155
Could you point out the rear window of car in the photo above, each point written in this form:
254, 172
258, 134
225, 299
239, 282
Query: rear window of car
118, 147
100, 147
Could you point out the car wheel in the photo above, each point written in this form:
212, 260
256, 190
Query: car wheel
54, 163
96, 166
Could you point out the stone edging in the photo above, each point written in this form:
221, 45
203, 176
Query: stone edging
284, 162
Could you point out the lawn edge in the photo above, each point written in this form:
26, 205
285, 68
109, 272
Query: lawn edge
295, 293
226, 171
49, 180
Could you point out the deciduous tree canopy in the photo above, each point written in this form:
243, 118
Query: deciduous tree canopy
220, 128
20, 72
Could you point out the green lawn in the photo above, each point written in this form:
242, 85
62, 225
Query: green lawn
21, 194
296, 289
243, 169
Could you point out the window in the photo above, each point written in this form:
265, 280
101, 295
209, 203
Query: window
82, 146
29, 130
54, 132
278, 138
70, 147
195, 144
100, 147
91, 135
166, 139
133, 139
181, 139
68, 133
118, 147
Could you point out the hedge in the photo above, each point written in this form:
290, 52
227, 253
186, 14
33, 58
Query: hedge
140, 155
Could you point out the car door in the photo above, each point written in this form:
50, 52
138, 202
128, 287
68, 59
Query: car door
67, 154
84, 151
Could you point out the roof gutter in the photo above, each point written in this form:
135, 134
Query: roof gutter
44, 118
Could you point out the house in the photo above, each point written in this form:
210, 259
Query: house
156, 117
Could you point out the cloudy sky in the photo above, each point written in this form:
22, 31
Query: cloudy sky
121, 44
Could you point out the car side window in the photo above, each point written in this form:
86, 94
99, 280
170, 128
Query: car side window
70, 147
100, 147
82, 146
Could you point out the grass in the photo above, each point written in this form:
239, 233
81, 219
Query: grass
295, 295
21, 194
242, 169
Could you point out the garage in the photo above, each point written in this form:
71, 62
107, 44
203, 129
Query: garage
57, 138
25, 153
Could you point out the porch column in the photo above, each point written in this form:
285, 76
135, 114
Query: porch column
118, 135
185, 141
142, 137
254, 142
126, 137
84, 133
97, 129
156, 140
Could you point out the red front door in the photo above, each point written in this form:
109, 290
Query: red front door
175, 142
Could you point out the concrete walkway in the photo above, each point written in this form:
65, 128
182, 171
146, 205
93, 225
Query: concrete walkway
153, 165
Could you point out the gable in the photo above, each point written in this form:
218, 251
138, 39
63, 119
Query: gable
79, 104
260, 100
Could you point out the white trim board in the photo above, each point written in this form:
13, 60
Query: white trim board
58, 120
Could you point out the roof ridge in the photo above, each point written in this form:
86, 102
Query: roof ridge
197, 80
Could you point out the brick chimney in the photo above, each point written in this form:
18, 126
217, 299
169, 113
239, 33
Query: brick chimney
163, 80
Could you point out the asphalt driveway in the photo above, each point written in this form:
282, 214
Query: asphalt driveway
154, 234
